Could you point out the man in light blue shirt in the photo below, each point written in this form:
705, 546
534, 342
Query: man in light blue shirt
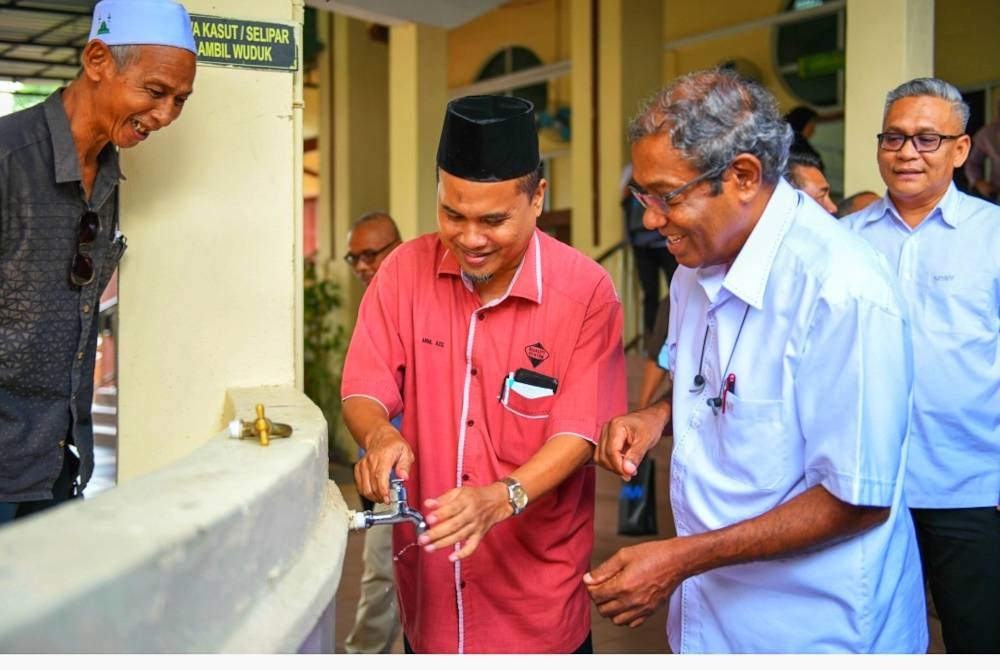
790, 355
945, 248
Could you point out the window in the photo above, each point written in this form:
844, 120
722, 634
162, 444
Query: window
809, 55
514, 59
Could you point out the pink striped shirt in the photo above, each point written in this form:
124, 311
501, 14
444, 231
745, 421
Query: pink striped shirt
426, 344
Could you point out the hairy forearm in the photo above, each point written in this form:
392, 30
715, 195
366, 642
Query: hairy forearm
652, 377
810, 521
558, 458
363, 416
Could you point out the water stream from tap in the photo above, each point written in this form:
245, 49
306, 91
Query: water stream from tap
403, 551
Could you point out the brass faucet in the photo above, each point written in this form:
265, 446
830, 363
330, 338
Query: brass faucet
262, 428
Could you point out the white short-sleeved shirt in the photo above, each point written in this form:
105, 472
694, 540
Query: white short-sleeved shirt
949, 272
821, 397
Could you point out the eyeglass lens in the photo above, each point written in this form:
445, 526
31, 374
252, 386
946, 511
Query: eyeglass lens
368, 255
923, 143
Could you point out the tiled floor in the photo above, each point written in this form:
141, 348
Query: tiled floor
649, 638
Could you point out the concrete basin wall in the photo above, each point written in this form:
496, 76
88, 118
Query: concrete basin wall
233, 548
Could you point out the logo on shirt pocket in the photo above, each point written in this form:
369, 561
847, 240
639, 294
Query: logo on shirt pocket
536, 353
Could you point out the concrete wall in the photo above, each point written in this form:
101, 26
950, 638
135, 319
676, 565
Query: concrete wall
211, 285
233, 548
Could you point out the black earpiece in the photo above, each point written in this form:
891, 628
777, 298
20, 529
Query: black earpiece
699, 383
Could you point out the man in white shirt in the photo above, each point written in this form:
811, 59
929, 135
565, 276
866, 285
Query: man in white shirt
790, 354
945, 248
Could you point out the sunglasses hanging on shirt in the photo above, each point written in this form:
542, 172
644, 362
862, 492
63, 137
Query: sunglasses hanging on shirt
81, 270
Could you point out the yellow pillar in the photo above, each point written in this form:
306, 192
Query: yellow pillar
417, 98
360, 147
630, 70
888, 42
582, 97
327, 246
211, 285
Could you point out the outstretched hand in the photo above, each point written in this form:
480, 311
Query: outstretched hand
463, 515
631, 585
626, 439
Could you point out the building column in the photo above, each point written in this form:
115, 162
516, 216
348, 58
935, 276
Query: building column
418, 95
360, 132
582, 103
210, 295
888, 42
631, 69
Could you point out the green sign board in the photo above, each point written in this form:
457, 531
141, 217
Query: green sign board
246, 44
816, 65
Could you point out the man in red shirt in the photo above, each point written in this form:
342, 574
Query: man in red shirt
504, 348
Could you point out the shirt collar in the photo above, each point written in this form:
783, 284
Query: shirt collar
66, 162
947, 210
527, 282
747, 277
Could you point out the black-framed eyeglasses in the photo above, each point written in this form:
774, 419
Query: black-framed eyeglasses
368, 255
81, 272
662, 202
924, 143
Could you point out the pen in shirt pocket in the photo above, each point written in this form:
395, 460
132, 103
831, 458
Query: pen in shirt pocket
505, 387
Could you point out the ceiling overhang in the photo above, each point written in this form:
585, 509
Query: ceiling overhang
441, 13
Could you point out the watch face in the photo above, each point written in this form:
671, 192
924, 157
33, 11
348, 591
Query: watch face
516, 495
519, 497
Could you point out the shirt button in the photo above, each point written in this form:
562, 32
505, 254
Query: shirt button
473, 372
62, 443
465, 477
470, 423
482, 316
462, 584
86, 309
79, 355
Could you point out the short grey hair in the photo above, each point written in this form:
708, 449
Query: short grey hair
711, 116
935, 88
124, 54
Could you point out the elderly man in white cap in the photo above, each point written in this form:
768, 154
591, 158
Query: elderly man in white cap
59, 239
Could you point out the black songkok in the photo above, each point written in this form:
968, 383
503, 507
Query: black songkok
488, 138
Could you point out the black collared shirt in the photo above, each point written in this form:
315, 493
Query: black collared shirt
48, 327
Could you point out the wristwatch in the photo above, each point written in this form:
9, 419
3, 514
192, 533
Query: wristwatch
516, 495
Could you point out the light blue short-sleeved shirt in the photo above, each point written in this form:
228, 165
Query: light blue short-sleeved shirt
821, 397
949, 272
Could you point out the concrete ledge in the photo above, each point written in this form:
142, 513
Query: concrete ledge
234, 548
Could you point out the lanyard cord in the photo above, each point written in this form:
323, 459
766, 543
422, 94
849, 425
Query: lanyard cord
699, 379
733, 351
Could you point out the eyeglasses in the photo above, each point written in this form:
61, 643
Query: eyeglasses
368, 255
924, 143
81, 271
662, 202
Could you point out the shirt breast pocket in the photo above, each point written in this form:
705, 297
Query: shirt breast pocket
960, 304
753, 445
523, 425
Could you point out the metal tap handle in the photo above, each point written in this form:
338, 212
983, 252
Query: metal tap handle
397, 492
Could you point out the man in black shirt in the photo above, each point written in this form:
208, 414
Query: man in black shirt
59, 239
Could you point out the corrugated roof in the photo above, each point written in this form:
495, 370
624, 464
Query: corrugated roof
42, 39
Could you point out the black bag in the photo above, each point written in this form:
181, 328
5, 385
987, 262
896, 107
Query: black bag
637, 501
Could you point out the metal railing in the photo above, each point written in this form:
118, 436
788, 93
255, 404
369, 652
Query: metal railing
620, 264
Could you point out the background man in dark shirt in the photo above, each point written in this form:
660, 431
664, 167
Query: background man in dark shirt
59, 240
